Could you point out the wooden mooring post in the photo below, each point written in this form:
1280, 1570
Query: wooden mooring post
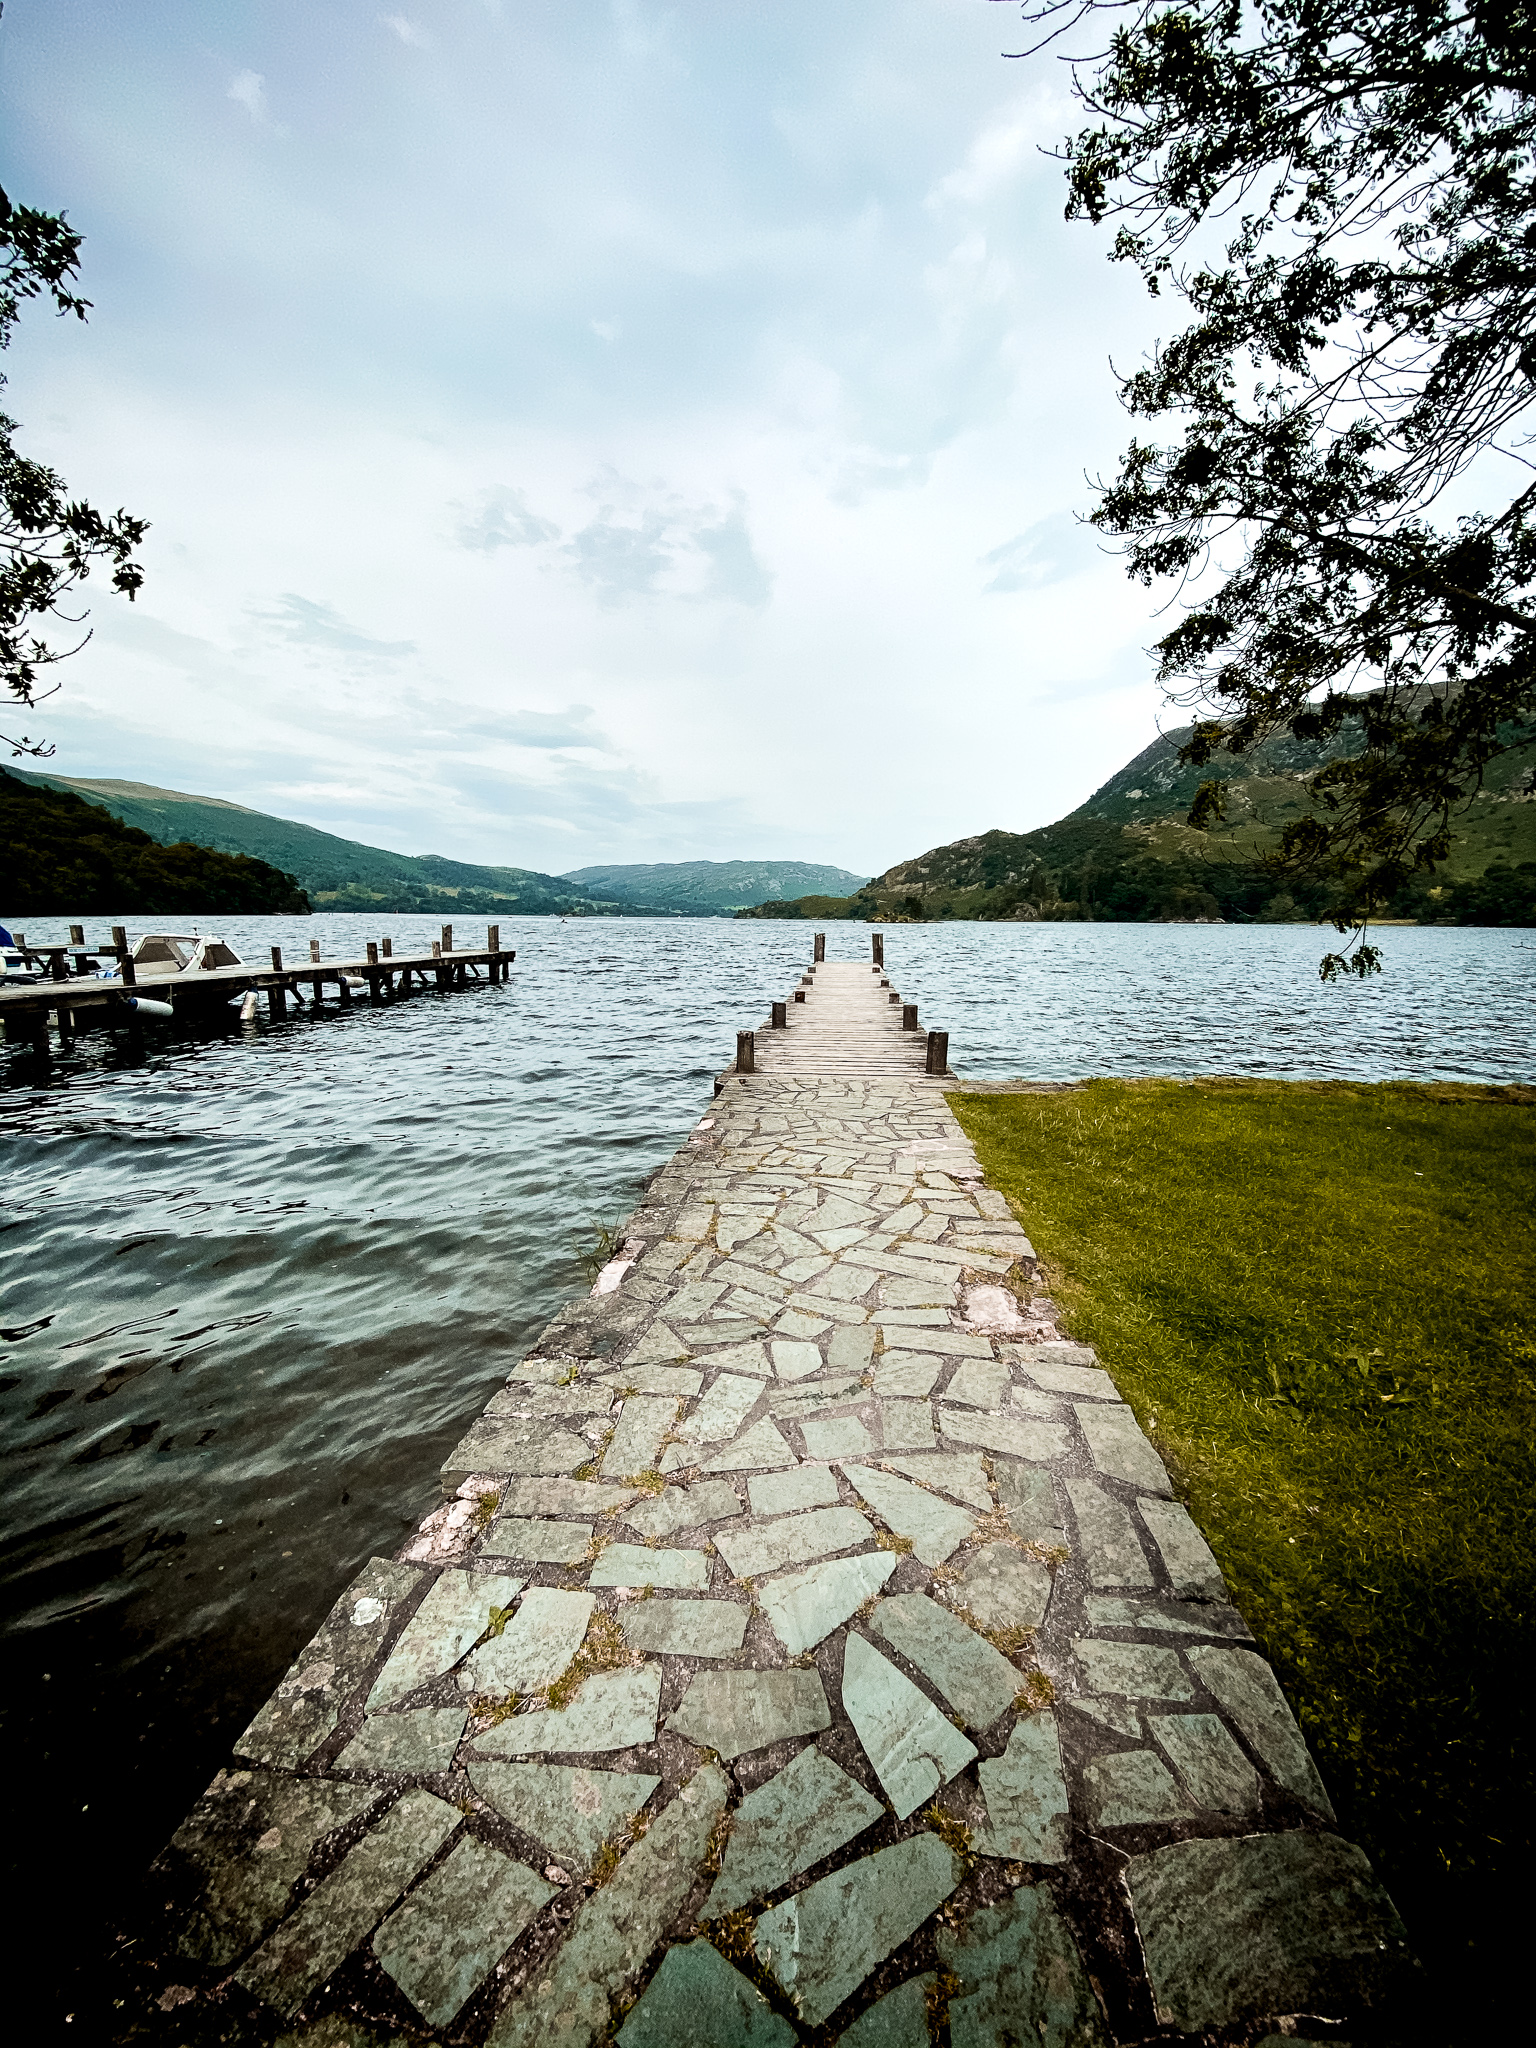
938, 1053
746, 1052
819, 947
877, 950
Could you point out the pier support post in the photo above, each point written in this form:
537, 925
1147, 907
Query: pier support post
373, 953
819, 946
493, 945
447, 938
314, 950
894, 996
799, 995
746, 1052
938, 1053
780, 1016
277, 998
877, 948
908, 1016
386, 947
125, 967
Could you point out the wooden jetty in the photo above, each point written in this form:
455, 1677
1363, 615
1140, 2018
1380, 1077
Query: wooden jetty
69, 998
843, 1019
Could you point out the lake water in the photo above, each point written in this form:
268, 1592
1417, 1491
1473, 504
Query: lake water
260, 1279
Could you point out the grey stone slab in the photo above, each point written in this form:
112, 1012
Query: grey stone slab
344, 1907
898, 1291
636, 1564
1248, 1692
1218, 1777
851, 1349
535, 1646
979, 1383
840, 1283
611, 1710
804, 1607
757, 1449
565, 1497
1060, 1353
251, 1836
1118, 1448
1026, 1794
1020, 1978
808, 1810
541, 1372
643, 1422
977, 1680
684, 1507
682, 1382
1003, 1587
1116, 1714
937, 1336
308, 1701
441, 1944
786, 1493
751, 1359
1140, 1671
421, 1739
1132, 1788
697, 1997
1155, 1615
934, 1528
538, 1542
1193, 1571
1257, 1924
808, 1397
522, 1403
571, 1810
659, 1346
899, 2020
907, 1374
770, 1546
685, 1628
513, 1447
906, 1426
732, 1712
1028, 1498
1015, 1437
808, 1322
821, 1944
1106, 1538
958, 1473
726, 1404
794, 1359
1086, 1382
457, 1610
837, 1436
913, 1748
615, 1931
693, 1301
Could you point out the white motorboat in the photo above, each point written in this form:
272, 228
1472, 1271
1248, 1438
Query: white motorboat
160, 956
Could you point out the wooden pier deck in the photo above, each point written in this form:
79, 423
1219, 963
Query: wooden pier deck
809, 1648
845, 1018
379, 975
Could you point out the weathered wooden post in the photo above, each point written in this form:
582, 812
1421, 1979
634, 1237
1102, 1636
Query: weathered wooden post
909, 1016
819, 947
125, 967
799, 995
938, 1053
77, 935
894, 996
877, 948
780, 1016
314, 951
373, 953
277, 959
746, 1052
277, 995
387, 948
494, 968
447, 938
437, 949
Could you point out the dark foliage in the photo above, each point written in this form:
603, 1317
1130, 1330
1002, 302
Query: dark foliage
59, 854
48, 540
1344, 197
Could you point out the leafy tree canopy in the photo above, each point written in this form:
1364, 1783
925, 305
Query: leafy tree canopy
48, 540
1341, 193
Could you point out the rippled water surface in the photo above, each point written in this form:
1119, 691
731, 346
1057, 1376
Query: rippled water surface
260, 1278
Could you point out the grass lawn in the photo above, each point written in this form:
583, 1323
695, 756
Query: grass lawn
1318, 1298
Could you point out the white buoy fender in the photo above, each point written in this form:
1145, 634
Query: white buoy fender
149, 1006
248, 1007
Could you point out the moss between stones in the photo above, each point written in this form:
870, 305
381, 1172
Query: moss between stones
1316, 1297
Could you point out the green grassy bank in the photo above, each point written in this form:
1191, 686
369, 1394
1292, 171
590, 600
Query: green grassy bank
1318, 1300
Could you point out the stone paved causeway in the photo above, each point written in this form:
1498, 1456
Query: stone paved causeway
809, 1648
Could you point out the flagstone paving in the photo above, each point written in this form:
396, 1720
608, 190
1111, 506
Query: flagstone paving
793, 1657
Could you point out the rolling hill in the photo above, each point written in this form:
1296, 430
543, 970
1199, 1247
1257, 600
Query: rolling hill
336, 873
1127, 854
716, 887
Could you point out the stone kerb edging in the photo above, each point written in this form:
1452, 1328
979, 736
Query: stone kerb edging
794, 1657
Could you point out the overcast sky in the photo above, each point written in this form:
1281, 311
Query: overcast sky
582, 430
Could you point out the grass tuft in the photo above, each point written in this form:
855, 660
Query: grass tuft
953, 1833
1316, 1295
603, 1649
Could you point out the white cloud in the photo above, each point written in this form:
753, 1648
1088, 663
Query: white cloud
249, 90
1006, 150
410, 34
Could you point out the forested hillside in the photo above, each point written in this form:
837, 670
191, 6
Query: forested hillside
60, 855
